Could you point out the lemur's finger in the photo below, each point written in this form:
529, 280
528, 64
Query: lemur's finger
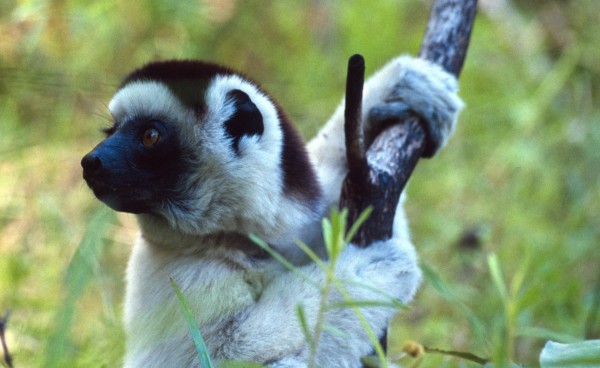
383, 115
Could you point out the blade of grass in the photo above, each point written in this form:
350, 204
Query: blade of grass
365, 304
334, 330
397, 303
203, 355
444, 290
546, 334
505, 346
356, 225
273, 253
496, 273
238, 364
304, 324
79, 274
312, 255
328, 236
364, 324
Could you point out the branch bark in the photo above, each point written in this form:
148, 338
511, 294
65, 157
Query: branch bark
393, 155
3, 324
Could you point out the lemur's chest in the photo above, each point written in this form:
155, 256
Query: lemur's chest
215, 288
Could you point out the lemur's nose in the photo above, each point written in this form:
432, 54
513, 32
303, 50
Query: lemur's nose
91, 164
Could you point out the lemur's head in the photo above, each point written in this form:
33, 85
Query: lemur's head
204, 148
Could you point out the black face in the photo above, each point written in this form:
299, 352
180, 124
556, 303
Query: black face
137, 167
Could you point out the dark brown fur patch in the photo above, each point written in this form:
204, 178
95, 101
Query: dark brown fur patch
299, 178
177, 69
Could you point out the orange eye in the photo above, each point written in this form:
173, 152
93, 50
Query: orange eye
150, 137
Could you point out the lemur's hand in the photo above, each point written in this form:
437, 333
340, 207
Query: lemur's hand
420, 88
405, 85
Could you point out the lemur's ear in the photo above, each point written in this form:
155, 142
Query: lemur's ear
245, 121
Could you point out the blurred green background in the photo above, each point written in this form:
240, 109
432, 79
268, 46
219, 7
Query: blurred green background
520, 179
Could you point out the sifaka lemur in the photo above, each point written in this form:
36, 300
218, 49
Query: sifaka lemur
204, 157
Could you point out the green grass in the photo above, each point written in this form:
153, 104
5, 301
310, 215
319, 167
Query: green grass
196, 335
522, 170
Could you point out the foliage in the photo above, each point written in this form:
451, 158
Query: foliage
203, 355
519, 179
78, 276
581, 354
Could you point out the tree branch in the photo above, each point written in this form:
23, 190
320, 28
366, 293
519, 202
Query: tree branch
448, 31
394, 153
3, 324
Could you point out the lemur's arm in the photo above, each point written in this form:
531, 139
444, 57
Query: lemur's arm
270, 329
405, 85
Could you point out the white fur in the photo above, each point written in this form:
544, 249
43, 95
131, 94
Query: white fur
146, 99
264, 296
246, 307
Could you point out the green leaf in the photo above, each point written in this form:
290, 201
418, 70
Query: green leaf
356, 225
390, 298
545, 334
333, 234
313, 256
79, 274
578, 355
445, 292
281, 259
205, 360
366, 304
238, 364
371, 361
327, 236
339, 228
512, 365
496, 272
334, 331
304, 324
